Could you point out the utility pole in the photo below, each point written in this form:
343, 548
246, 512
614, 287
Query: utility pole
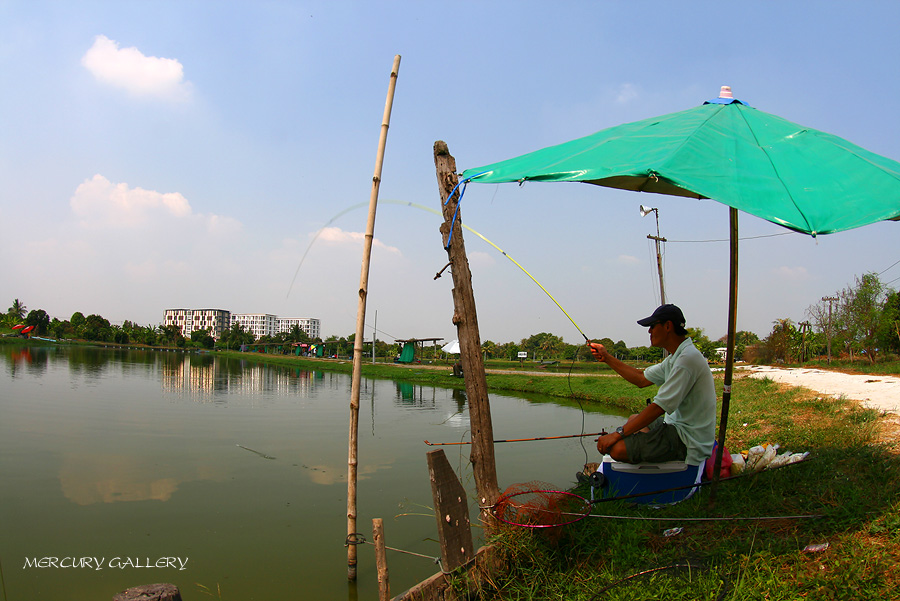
657, 239
804, 326
829, 300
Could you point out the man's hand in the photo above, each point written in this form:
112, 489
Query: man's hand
605, 442
598, 351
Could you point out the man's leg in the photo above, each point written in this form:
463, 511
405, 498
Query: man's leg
661, 443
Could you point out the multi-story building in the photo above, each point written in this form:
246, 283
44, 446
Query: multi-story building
219, 320
308, 324
189, 320
258, 324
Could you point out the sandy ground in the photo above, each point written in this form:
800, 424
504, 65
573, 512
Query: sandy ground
877, 392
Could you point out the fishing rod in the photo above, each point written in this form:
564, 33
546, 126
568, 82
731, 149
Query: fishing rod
436, 212
603, 433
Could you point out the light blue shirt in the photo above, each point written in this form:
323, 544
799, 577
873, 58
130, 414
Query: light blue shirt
687, 394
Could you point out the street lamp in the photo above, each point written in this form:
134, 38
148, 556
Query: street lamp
657, 239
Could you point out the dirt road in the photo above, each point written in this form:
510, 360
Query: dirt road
877, 392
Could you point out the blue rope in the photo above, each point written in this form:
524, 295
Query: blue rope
464, 183
455, 212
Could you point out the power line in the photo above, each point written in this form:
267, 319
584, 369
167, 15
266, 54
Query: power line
898, 261
747, 238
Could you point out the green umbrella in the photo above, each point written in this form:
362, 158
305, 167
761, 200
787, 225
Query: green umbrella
724, 150
803, 179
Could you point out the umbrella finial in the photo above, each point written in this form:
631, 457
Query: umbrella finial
725, 92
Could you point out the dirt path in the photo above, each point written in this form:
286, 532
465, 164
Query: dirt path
877, 392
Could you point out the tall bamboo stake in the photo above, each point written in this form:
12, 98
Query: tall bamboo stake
352, 460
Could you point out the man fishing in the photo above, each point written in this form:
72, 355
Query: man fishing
680, 423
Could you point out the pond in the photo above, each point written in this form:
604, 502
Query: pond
228, 478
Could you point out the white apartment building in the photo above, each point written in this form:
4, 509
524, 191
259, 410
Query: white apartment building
308, 324
258, 324
189, 320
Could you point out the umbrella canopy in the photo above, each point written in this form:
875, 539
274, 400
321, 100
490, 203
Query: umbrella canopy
795, 176
451, 347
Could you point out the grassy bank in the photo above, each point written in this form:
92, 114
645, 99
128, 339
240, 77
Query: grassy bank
852, 481
580, 381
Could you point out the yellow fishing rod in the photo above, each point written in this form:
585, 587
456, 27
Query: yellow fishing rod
436, 212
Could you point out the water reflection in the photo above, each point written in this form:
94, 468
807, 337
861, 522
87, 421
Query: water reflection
240, 466
203, 378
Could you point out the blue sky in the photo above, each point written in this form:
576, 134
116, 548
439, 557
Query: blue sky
184, 154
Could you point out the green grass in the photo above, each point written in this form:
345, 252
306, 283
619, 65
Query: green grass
852, 480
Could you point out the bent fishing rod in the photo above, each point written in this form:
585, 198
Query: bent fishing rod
436, 212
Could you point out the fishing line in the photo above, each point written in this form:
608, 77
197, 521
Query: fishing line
436, 212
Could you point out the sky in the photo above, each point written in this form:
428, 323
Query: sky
158, 155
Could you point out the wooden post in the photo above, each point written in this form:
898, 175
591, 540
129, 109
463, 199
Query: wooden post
352, 460
451, 511
466, 322
384, 585
150, 592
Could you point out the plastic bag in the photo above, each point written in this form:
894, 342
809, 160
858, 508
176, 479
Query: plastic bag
760, 456
725, 470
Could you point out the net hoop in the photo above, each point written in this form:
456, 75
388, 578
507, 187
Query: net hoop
559, 504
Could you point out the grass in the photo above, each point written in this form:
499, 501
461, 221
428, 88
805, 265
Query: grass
853, 481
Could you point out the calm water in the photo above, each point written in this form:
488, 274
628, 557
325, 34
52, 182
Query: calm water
231, 475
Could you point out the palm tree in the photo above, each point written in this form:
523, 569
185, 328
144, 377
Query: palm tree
17, 311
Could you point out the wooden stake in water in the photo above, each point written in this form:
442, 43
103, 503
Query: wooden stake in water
352, 460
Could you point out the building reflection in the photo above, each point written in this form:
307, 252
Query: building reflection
205, 378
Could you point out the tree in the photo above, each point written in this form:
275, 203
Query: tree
171, 334
544, 345
889, 326
706, 346
40, 320
862, 308
96, 327
203, 338
17, 311
234, 337
781, 340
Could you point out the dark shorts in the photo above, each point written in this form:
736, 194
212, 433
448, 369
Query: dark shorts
661, 443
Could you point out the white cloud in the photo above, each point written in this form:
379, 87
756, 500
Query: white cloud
101, 204
481, 258
337, 236
627, 92
140, 75
627, 260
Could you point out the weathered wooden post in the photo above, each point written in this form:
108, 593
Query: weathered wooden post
384, 585
466, 322
451, 511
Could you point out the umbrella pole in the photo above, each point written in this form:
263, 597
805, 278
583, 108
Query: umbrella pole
729, 353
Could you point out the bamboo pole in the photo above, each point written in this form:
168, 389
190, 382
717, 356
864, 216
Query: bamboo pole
729, 353
352, 460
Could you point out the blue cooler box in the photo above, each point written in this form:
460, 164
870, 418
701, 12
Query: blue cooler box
634, 478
